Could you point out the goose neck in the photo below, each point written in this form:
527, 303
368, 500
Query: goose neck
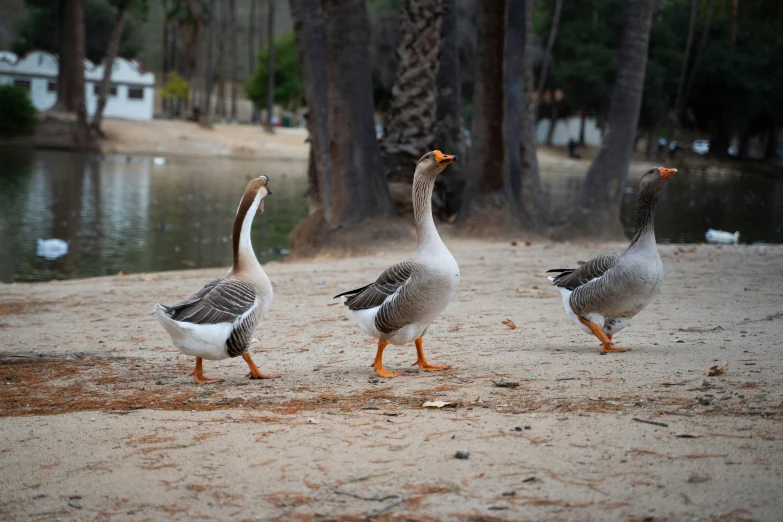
645, 216
422, 209
244, 256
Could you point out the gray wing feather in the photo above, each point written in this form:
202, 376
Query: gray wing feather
220, 301
587, 271
388, 283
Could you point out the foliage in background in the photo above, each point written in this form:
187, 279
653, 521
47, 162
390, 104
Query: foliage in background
39, 30
19, 114
176, 88
289, 89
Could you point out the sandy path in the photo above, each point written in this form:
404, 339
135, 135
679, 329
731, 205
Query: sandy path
132, 438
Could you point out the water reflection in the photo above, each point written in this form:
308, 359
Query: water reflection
135, 216
120, 215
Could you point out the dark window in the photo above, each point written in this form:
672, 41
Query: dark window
25, 84
51, 86
96, 90
135, 93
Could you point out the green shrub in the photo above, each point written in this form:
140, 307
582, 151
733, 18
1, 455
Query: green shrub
19, 116
289, 88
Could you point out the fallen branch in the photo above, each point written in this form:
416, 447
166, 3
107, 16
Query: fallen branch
397, 499
654, 423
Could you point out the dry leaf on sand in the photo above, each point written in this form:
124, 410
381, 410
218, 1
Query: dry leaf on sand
435, 404
510, 324
717, 370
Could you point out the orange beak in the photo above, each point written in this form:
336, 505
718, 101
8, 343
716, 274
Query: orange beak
667, 173
444, 159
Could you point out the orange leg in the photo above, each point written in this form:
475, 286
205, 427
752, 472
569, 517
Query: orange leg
378, 362
255, 373
421, 360
606, 340
198, 374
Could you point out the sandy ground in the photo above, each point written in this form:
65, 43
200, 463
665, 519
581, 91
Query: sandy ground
114, 428
183, 138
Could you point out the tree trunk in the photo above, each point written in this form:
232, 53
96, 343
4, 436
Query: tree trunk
553, 118
232, 10
71, 61
533, 199
550, 45
108, 66
359, 189
409, 131
63, 78
252, 59
83, 137
486, 202
211, 34
771, 150
449, 133
165, 79
270, 94
679, 99
582, 124
651, 151
597, 212
733, 26
700, 51
310, 31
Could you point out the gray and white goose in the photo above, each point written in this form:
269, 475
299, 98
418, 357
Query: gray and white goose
218, 321
400, 305
602, 295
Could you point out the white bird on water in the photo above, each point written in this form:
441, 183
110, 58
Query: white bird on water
52, 248
722, 237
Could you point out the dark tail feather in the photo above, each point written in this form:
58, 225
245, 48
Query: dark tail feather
352, 293
562, 270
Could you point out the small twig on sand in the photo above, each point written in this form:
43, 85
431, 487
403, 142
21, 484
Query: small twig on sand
654, 423
397, 500
574, 378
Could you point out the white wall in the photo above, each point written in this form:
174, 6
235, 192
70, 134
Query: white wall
568, 128
40, 68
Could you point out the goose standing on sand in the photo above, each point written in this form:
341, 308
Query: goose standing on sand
605, 293
218, 321
399, 306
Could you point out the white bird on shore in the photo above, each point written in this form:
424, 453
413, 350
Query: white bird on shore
400, 305
159, 161
721, 237
602, 295
218, 321
52, 248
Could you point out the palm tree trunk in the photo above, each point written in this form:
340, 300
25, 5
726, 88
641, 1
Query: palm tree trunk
108, 65
597, 212
270, 95
359, 188
310, 31
409, 131
234, 58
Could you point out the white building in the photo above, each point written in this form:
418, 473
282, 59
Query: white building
568, 128
132, 94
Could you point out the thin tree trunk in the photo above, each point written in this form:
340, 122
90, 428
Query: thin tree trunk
359, 188
582, 124
409, 130
83, 138
270, 95
449, 133
252, 59
700, 52
108, 66
220, 106
165, 78
597, 212
550, 45
553, 118
211, 32
234, 58
63, 78
733, 26
679, 100
485, 197
310, 31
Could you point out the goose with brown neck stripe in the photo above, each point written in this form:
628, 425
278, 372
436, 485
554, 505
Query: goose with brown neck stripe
218, 321
602, 295
399, 306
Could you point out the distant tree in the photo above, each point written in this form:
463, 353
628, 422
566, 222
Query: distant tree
232, 21
596, 213
123, 6
289, 89
409, 131
19, 113
39, 29
270, 90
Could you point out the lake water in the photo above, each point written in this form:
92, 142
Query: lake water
136, 216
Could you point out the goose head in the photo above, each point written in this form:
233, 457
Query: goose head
655, 179
257, 189
433, 163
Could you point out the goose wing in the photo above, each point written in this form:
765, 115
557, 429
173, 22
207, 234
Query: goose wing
573, 278
375, 294
220, 301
